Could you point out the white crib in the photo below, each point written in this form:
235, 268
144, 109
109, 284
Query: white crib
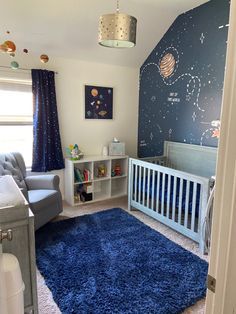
174, 188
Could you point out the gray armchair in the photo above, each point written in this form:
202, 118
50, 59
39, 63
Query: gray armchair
41, 191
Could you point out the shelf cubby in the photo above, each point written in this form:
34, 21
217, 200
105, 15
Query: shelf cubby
102, 169
119, 186
102, 189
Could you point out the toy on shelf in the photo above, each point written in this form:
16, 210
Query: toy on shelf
73, 152
116, 171
102, 170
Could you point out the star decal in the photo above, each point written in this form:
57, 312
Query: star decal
202, 37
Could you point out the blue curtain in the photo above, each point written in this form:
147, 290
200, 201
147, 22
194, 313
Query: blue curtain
47, 152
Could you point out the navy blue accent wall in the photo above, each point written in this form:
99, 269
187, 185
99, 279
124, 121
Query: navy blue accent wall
181, 81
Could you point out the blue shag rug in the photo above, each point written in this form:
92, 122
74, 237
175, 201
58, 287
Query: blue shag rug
110, 262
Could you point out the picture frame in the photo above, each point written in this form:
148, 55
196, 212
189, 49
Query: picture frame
98, 102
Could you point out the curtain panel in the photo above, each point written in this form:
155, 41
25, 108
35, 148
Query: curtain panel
47, 151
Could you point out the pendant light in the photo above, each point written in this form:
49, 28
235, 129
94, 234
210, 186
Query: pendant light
117, 30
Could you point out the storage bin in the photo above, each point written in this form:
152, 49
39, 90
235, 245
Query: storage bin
117, 149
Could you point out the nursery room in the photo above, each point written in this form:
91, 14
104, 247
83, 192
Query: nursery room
117, 156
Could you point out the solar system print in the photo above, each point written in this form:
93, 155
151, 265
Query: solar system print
181, 82
98, 102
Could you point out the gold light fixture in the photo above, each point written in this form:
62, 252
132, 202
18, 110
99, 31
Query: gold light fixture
117, 30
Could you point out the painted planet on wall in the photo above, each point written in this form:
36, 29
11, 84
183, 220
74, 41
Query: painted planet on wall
94, 92
167, 65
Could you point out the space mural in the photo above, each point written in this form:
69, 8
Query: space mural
181, 82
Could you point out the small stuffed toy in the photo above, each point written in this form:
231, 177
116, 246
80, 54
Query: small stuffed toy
74, 152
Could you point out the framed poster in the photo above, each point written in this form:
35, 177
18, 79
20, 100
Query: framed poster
98, 102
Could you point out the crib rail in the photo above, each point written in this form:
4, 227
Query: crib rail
157, 160
173, 197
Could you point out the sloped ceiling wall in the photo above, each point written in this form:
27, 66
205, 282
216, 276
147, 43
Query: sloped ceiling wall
181, 82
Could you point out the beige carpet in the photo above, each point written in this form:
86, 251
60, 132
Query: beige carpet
46, 303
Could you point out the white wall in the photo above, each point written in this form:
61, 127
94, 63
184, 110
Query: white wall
90, 135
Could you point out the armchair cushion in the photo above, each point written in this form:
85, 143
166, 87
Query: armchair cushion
36, 197
45, 205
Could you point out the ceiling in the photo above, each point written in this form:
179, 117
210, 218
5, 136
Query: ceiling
68, 28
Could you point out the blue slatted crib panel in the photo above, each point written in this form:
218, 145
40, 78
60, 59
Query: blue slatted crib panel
167, 186
173, 197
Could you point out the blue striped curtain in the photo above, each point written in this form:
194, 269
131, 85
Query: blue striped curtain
47, 152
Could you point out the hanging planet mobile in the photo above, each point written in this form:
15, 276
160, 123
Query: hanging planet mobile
9, 47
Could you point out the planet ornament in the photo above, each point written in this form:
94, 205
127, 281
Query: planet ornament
11, 47
167, 65
14, 65
3, 48
44, 58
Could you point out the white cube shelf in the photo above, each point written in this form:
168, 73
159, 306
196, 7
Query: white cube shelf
95, 178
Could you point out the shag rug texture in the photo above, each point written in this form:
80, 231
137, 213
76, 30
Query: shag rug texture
110, 262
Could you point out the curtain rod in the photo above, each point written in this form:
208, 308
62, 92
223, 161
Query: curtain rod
22, 69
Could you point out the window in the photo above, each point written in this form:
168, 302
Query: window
16, 119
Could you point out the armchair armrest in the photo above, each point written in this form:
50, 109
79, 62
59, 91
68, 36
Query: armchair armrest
43, 182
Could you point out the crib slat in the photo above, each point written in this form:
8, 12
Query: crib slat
148, 187
144, 183
157, 192
186, 205
180, 200
135, 182
163, 193
193, 206
139, 184
153, 182
174, 198
168, 196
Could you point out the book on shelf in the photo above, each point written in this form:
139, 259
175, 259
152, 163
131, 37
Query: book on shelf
79, 177
82, 176
87, 175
